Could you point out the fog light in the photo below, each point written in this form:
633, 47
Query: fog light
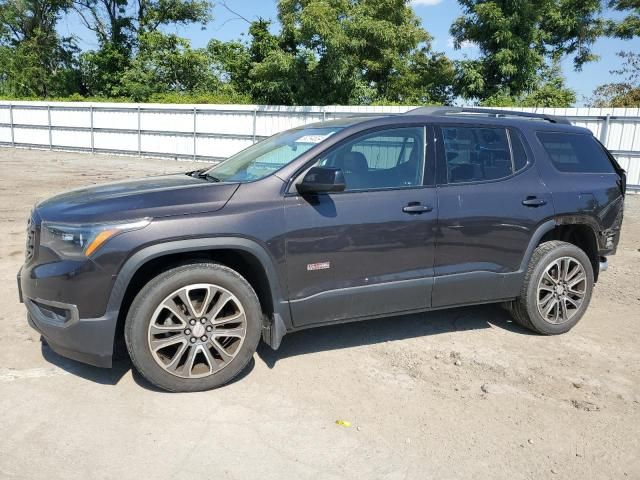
53, 313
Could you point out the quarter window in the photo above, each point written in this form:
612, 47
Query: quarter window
385, 159
518, 151
476, 154
571, 152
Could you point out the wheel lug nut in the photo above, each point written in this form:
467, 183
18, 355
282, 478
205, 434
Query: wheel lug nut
209, 328
203, 338
203, 320
187, 331
193, 339
192, 321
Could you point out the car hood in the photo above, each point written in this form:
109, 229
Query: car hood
158, 196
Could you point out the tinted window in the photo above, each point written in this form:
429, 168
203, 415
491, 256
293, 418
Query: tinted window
476, 154
517, 148
572, 152
391, 158
269, 155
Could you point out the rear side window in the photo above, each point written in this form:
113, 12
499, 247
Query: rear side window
572, 152
476, 154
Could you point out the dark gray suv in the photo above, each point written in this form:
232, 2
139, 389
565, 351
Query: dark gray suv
333, 222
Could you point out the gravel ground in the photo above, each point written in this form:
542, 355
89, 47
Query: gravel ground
462, 393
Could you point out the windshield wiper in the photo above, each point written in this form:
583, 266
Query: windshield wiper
202, 174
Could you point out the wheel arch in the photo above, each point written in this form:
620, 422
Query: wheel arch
575, 229
245, 256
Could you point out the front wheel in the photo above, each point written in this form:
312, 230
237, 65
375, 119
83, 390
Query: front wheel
194, 327
556, 290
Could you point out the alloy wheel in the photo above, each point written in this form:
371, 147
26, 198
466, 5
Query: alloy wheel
561, 290
197, 330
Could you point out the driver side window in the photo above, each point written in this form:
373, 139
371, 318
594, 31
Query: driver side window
391, 158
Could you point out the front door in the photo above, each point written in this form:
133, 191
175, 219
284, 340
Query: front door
367, 251
491, 199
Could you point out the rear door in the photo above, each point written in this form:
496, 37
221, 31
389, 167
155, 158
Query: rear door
369, 250
491, 199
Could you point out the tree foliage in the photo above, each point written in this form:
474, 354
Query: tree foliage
125, 31
629, 26
338, 52
166, 63
34, 59
625, 93
549, 90
517, 38
319, 52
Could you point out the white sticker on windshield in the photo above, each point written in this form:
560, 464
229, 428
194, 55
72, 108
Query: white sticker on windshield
312, 138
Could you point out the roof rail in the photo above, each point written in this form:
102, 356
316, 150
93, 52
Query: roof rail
491, 112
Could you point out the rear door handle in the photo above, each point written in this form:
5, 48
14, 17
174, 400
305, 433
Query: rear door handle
415, 207
533, 202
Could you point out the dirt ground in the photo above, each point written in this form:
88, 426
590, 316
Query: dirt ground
455, 394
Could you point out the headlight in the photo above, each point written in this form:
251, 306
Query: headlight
72, 240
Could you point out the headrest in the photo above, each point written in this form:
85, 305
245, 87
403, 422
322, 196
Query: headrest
354, 162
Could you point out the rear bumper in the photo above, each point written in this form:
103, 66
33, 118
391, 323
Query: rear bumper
87, 340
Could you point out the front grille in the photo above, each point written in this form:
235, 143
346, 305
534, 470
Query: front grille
31, 239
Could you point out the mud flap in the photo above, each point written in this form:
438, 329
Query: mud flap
273, 330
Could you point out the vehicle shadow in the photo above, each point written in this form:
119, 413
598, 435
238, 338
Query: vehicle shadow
388, 329
143, 382
102, 376
331, 337
112, 376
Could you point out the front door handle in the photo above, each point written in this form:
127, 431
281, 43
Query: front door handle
532, 201
416, 207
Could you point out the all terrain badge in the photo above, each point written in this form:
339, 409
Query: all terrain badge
318, 266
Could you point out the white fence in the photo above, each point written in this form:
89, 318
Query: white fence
214, 132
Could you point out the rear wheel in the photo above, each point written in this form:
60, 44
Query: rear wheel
556, 290
194, 327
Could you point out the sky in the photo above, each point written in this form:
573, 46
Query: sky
436, 16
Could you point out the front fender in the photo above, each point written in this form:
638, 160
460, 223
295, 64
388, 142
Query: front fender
141, 257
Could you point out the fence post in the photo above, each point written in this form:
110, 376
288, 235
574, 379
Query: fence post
139, 134
195, 117
13, 141
49, 125
255, 115
91, 126
604, 133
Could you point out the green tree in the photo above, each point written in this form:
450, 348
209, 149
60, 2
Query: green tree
34, 59
102, 69
121, 28
359, 51
231, 63
337, 52
621, 94
629, 26
517, 38
167, 63
550, 90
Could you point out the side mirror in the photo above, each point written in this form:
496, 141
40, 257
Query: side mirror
322, 180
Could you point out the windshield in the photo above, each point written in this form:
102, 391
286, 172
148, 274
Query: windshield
272, 154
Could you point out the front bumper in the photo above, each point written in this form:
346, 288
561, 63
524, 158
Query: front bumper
88, 340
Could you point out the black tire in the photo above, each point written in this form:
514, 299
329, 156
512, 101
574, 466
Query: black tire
524, 309
156, 291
